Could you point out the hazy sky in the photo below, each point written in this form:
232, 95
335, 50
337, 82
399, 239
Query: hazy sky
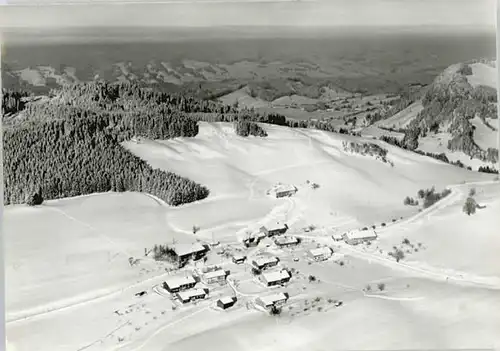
242, 12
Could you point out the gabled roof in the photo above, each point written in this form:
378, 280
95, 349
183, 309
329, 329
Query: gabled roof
215, 274
284, 187
187, 249
260, 261
273, 226
271, 299
325, 250
228, 299
175, 282
361, 234
276, 276
185, 295
286, 240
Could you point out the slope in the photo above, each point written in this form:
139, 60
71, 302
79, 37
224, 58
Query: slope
85, 243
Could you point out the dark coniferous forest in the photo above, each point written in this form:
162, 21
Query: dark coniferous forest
70, 144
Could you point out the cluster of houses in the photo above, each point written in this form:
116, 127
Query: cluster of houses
269, 231
183, 287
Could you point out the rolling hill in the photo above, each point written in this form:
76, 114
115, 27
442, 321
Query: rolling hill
456, 117
88, 302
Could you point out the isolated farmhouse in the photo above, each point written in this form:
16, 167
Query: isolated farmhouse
274, 300
176, 284
192, 295
356, 237
320, 254
262, 263
276, 278
283, 190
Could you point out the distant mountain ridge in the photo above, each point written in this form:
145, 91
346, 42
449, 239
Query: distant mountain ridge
459, 108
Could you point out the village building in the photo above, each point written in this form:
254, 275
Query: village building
239, 259
337, 237
274, 300
251, 241
283, 190
274, 229
192, 295
263, 263
185, 252
276, 278
226, 302
320, 254
176, 284
287, 241
356, 237
215, 276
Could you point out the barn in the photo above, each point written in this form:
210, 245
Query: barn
215, 276
226, 302
239, 259
262, 263
185, 252
283, 190
320, 254
356, 237
287, 241
274, 229
176, 284
274, 300
192, 295
276, 278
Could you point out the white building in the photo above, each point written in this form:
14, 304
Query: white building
272, 229
356, 237
265, 262
320, 254
276, 277
273, 300
179, 283
191, 295
215, 276
283, 190
337, 237
286, 241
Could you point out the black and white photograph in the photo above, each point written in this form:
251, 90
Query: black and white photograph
241, 175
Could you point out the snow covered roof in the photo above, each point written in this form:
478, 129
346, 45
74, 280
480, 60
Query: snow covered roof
176, 282
361, 234
227, 299
264, 260
286, 240
276, 276
278, 188
337, 236
187, 249
185, 295
239, 257
215, 274
325, 250
271, 299
274, 225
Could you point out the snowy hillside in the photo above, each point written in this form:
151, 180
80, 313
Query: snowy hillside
71, 283
457, 116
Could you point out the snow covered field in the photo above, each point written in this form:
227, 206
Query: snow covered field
70, 285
